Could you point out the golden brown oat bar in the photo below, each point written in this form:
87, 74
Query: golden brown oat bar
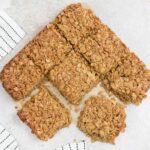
20, 76
129, 81
44, 114
73, 77
102, 119
98, 44
76, 22
48, 48
102, 57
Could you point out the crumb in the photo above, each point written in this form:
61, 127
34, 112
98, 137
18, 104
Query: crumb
77, 109
70, 106
102, 119
44, 114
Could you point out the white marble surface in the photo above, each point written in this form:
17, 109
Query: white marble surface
130, 19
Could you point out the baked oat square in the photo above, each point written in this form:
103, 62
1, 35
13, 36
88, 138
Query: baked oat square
48, 48
76, 22
102, 119
20, 76
73, 77
103, 55
130, 80
44, 114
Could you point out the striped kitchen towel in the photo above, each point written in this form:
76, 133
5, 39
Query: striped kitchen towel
10, 34
7, 141
74, 146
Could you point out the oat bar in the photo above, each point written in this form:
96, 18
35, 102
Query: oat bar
130, 80
76, 22
20, 76
73, 77
102, 119
44, 114
48, 48
102, 57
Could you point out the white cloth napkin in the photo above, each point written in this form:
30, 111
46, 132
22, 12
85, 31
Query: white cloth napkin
7, 141
10, 34
74, 146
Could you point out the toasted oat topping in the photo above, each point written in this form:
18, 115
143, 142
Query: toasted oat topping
44, 114
102, 119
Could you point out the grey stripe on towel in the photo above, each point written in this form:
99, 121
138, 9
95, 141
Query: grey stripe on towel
74, 146
7, 141
10, 34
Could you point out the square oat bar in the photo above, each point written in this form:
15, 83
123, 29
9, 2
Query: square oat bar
44, 114
102, 119
73, 77
102, 56
130, 80
48, 48
20, 76
89, 36
76, 22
